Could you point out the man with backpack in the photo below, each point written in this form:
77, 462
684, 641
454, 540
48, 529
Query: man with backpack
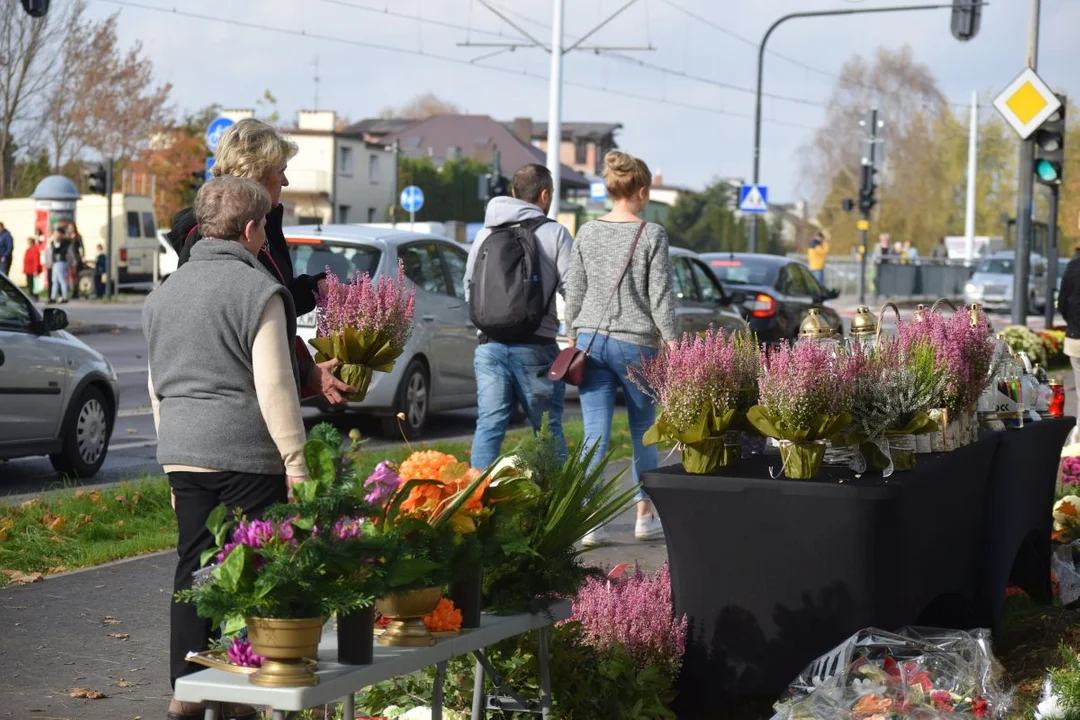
516, 265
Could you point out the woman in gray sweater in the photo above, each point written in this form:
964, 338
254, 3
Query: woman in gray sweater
640, 318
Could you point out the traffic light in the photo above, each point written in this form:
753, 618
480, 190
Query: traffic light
847, 205
868, 189
500, 186
965, 19
1050, 147
36, 8
97, 180
491, 186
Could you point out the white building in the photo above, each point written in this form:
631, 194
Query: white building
337, 176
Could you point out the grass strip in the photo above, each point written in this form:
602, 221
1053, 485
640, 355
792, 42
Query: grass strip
78, 528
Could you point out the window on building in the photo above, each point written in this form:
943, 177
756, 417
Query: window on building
148, 228
581, 151
345, 166
343, 213
371, 214
133, 229
373, 168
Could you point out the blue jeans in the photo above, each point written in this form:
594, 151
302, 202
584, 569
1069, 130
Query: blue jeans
605, 373
506, 372
820, 275
59, 281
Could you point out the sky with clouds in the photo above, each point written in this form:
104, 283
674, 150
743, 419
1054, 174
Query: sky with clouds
374, 53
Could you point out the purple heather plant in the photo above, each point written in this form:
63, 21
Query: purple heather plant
1070, 471
256, 533
383, 308
803, 381
381, 484
239, 653
346, 528
963, 353
718, 368
635, 612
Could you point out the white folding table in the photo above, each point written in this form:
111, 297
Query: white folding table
340, 682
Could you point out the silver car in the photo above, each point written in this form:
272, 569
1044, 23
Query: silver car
436, 370
58, 397
992, 283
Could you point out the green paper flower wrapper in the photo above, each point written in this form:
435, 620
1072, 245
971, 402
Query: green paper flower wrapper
360, 355
902, 460
702, 447
801, 449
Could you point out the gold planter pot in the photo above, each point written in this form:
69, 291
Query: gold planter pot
285, 644
406, 613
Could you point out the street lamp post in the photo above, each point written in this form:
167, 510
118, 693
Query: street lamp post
760, 69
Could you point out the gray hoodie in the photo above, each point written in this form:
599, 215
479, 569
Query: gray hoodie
554, 243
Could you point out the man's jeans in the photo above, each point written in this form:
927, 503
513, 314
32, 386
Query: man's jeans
819, 275
506, 372
605, 373
59, 281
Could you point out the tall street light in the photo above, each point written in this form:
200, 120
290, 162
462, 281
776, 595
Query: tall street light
760, 68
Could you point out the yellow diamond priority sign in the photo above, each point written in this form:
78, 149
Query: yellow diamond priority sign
1026, 103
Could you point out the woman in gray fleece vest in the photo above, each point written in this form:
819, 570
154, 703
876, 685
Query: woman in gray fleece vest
640, 317
224, 387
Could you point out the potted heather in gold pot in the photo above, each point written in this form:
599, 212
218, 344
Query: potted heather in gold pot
805, 392
702, 387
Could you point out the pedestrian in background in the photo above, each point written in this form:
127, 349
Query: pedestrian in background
881, 256
101, 272
1069, 306
514, 352
639, 318
31, 266
940, 251
910, 253
223, 384
7, 250
816, 256
58, 250
45, 253
76, 257
252, 149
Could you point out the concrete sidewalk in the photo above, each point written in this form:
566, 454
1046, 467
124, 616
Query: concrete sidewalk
107, 629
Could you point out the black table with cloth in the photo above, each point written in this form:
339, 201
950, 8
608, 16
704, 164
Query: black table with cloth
773, 573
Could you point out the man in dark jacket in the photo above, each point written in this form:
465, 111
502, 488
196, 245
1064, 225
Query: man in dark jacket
1069, 307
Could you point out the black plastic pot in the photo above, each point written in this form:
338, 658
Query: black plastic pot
467, 596
356, 636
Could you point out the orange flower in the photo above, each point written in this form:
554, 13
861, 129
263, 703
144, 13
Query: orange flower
870, 705
445, 617
423, 497
425, 465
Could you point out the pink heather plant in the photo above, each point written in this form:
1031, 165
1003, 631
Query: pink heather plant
719, 368
803, 381
963, 353
256, 533
381, 484
1070, 471
346, 528
384, 308
634, 612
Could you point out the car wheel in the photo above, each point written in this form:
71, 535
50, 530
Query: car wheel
85, 284
85, 436
412, 401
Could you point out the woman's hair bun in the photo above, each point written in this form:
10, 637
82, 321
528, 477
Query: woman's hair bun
625, 175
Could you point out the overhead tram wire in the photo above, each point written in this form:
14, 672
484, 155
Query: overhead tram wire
433, 56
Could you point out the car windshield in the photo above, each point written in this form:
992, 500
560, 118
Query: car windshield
345, 261
743, 271
996, 266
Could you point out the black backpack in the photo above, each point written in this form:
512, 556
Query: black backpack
506, 298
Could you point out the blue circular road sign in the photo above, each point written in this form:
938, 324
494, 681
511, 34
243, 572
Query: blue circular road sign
214, 132
412, 199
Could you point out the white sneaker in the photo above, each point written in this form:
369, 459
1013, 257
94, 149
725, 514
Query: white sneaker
597, 537
648, 528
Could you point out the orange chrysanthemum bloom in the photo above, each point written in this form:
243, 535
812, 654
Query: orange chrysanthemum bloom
425, 465
445, 617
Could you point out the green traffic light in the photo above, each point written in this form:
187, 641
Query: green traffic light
1046, 171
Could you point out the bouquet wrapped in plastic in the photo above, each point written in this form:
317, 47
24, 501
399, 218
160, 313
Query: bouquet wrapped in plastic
703, 387
365, 325
914, 673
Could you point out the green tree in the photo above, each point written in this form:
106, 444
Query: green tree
706, 221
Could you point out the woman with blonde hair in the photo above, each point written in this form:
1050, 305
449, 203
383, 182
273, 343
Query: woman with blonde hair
620, 318
252, 149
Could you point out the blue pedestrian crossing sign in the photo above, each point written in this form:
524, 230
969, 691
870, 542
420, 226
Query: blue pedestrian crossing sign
754, 199
412, 199
209, 164
214, 132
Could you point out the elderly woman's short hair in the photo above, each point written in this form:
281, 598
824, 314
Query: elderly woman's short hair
251, 149
225, 205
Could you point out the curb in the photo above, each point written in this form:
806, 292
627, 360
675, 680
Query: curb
78, 329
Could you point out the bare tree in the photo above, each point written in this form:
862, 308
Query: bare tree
65, 113
421, 107
27, 52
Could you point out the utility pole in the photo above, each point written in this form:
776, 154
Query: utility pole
554, 138
110, 288
396, 149
1025, 191
972, 169
867, 187
1051, 255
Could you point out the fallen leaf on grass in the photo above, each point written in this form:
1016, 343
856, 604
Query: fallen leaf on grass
125, 683
119, 523
31, 503
120, 499
79, 493
20, 578
95, 496
58, 524
87, 693
109, 620
57, 569
135, 498
118, 636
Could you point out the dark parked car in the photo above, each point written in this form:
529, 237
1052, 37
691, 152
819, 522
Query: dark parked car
778, 292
